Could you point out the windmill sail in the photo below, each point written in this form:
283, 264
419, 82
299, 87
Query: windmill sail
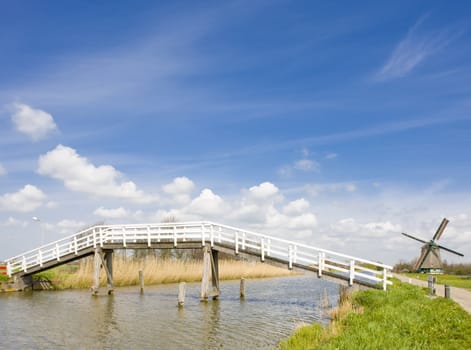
440, 229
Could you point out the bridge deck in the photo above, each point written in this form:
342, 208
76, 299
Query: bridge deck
325, 263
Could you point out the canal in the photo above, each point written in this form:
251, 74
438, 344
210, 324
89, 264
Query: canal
74, 319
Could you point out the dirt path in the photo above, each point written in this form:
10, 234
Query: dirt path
460, 295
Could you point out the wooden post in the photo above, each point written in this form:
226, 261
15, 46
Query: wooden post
102, 258
215, 272
242, 288
206, 272
141, 281
109, 270
96, 271
181, 294
210, 268
325, 300
447, 291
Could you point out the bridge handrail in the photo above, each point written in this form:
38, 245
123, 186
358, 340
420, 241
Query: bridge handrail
311, 247
205, 232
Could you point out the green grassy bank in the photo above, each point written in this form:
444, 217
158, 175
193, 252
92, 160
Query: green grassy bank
401, 318
452, 280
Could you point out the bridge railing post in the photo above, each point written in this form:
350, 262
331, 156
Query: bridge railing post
9, 269
352, 272
212, 235
236, 238
202, 236
58, 257
94, 238
385, 278
320, 263
23, 264
290, 256
262, 249
40, 257
174, 236
75, 245
148, 235
123, 233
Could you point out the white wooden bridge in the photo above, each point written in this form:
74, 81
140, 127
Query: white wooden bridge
101, 241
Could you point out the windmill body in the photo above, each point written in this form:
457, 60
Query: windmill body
429, 260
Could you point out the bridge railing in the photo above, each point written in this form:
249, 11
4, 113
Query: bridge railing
265, 246
56, 250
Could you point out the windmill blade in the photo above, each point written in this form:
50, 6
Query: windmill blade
422, 258
417, 239
440, 229
450, 250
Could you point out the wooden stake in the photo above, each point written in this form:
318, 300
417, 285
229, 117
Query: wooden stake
242, 288
141, 281
181, 294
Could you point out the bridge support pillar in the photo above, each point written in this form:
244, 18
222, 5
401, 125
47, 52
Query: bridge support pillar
210, 268
103, 258
23, 283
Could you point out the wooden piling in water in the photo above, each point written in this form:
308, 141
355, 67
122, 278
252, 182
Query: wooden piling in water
242, 288
181, 293
141, 281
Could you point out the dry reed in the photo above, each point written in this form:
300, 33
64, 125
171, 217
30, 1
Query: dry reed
158, 271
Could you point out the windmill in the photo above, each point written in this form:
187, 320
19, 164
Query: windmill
429, 260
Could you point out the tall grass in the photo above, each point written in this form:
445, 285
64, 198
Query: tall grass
452, 280
401, 318
157, 270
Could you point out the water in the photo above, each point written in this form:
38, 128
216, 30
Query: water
75, 319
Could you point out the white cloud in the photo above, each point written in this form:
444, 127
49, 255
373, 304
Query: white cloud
70, 226
116, 213
413, 50
331, 156
3, 171
296, 207
34, 122
25, 200
263, 191
12, 222
306, 165
78, 174
316, 189
207, 204
180, 190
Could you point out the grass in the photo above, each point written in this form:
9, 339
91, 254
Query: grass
156, 271
401, 318
452, 280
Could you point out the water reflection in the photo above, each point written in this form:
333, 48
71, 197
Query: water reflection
75, 319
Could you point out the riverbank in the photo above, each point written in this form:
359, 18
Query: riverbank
401, 318
156, 271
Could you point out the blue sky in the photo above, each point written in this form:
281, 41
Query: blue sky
336, 124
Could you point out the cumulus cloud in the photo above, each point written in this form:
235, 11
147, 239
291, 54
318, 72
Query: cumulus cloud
296, 207
207, 204
3, 171
180, 190
263, 191
116, 213
80, 175
33, 122
369, 229
25, 200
